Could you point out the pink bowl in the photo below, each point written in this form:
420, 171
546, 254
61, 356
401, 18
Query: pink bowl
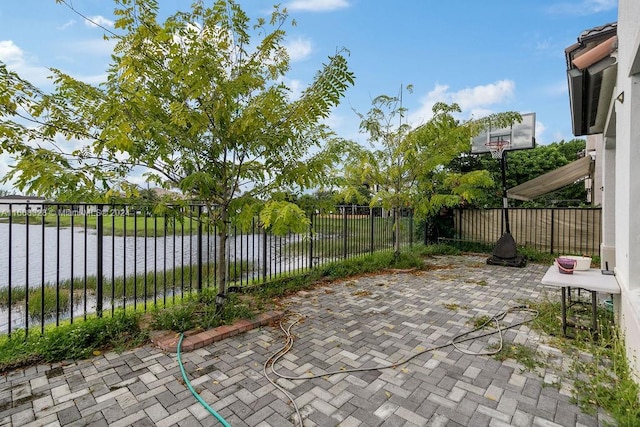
566, 265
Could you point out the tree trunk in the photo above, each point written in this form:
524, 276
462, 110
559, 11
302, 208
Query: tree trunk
221, 263
396, 232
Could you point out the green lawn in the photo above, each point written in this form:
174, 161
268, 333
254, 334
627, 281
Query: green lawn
139, 225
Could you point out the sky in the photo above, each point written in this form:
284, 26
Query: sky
488, 56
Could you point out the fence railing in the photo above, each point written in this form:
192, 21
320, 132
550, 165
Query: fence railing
552, 230
67, 262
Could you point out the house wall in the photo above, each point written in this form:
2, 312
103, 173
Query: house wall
627, 171
594, 184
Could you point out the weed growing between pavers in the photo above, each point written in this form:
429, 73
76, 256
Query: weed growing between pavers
526, 356
480, 322
455, 306
599, 371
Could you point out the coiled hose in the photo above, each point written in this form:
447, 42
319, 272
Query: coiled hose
457, 339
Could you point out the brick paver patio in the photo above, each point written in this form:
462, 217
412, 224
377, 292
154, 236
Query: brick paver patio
352, 323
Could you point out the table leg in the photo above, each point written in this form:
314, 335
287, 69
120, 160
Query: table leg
564, 311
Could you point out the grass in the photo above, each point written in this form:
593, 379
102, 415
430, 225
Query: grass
139, 225
152, 286
330, 241
481, 322
599, 368
72, 341
199, 311
526, 356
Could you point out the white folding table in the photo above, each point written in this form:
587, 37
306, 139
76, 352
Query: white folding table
591, 280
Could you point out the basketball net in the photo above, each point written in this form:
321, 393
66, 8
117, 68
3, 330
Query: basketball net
496, 148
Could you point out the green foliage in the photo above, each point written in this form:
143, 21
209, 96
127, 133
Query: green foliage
481, 322
71, 341
180, 318
524, 165
79, 340
599, 367
375, 262
199, 311
407, 166
605, 380
320, 201
282, 217
523, 354
194, 101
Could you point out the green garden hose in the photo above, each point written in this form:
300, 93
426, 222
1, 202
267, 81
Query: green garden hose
195, 393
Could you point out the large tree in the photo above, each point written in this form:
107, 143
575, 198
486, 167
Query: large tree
406, 165
195, 102
525, 165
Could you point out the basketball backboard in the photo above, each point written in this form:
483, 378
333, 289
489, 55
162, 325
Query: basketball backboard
521, 135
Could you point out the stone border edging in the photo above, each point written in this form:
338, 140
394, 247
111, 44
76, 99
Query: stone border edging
168, 341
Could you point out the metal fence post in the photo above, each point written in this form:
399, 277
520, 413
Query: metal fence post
372, 224
344, 232
410, 228
99, 255
552, 228
311, 242
199, 248
264, 255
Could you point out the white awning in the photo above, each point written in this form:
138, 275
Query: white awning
554, 180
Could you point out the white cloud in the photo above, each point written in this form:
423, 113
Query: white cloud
296, 88
583, 7
474, 101
17, 61
540, 128
98, 21
317, 5
91, 79
559, 136
10, 53
299, 49
490, 94
93, 47
5, 161
66, 25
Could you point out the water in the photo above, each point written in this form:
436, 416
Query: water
72, 252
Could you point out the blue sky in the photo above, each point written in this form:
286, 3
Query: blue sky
489, 56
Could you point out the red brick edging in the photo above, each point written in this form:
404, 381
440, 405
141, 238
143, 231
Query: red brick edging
168, 341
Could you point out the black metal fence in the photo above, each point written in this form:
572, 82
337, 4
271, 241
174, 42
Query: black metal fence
68, 262
552, 230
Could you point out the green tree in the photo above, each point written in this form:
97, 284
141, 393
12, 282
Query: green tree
196, 103
525, 165
406, 166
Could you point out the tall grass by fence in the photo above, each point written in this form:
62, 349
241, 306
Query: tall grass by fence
65, 263
551, 230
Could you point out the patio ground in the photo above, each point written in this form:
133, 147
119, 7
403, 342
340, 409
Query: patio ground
354, 323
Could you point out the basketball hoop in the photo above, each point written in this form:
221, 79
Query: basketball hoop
496, 148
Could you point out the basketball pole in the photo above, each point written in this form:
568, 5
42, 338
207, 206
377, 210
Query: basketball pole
505, 200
